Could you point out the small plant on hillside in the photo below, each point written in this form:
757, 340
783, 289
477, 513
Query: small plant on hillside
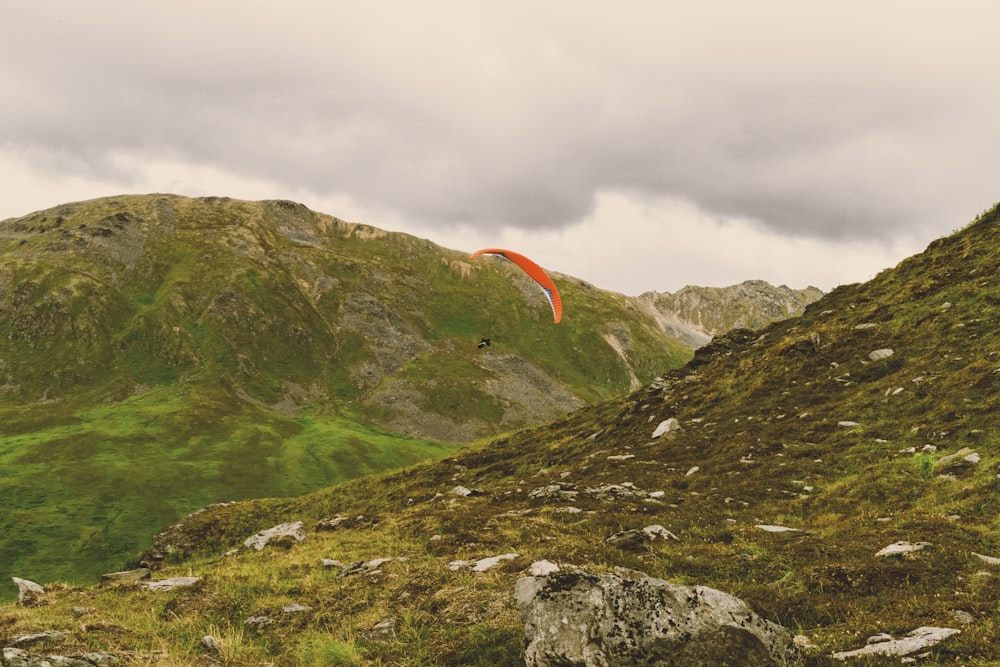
325, 650
924, 463
232, 644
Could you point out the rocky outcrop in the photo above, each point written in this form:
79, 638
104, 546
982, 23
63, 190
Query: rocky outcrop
16, 657
960, 463
28, 592
637, 539
339, 522
263, 619
915, 641
171, 584
482, 564
902, 549
666, 426
581, 619
283, 535
365, 567
125, 577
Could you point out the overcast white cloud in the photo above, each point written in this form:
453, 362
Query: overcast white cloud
636, 145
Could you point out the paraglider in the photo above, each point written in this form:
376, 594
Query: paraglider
534, 272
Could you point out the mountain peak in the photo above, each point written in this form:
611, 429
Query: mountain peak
696, 314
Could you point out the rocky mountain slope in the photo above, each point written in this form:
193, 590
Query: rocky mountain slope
162, 353
697, 314
838, 472
294, 309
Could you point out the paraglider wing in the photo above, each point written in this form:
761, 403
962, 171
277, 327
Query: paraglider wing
534, 271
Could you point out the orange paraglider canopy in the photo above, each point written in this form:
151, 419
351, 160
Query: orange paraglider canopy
534, 271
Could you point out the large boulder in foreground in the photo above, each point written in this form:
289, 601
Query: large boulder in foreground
581, 619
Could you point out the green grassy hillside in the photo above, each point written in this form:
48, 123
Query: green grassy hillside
82, 496
797, 425
161, 353
288, 307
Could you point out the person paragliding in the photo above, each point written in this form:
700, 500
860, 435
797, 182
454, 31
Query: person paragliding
483, 342
534, 272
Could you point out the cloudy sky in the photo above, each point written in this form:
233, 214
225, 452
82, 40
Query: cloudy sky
637, 145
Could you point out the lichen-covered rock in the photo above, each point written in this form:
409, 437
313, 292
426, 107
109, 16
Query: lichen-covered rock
28, 592
368, 566
483, 564
340, 521
581, 619
962, 461
914, 642
667, 426
560, 491
637, 538
16, 657
37, 638
125, 577
170, 584
283, 535
903, 549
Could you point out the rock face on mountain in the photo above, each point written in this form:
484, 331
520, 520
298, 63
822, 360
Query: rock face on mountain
696, 314
580, 619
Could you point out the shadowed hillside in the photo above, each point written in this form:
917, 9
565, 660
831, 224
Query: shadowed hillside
866, 422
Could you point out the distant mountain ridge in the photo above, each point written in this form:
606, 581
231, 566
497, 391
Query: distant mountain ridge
696, 314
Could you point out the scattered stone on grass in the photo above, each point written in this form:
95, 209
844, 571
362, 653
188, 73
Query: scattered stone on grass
283, 535
667, 426
481, 565
913, 642
125, 577
171, 584
367, 566
903, 549
28, 592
